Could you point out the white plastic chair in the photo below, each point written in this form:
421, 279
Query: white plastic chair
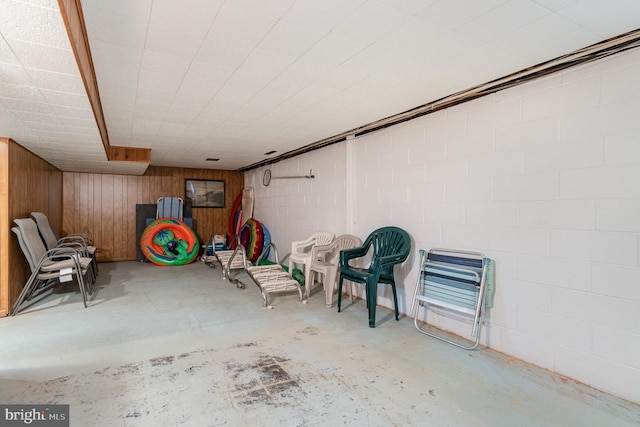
325, 259
301, 254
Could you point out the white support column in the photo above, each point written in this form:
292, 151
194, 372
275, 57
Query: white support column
350, 184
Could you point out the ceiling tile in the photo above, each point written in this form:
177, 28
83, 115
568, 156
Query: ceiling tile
172, 129
6, 54
75, 121
291, 38
241, 87
271, 8
111, 57
13, 74
537, 32
190, 17
503, 19
195, 103
370, 22
129, 30
182, 114
224, 31
455, 14
78, 113
157, 113
616, 17
57, 127
324, 15
55, 81
345, 76
412, 7
33, 24
561, 44
203, 80
23, 105
138, 9
32, 55
161, 72
224, 53
198, 129
51, 4
28, 116
173, 41
269, 63
65, 98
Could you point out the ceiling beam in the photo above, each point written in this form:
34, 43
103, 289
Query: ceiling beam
73, 18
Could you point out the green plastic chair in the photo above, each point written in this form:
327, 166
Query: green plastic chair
391, 246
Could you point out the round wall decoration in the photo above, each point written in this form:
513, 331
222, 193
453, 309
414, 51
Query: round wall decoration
266, 178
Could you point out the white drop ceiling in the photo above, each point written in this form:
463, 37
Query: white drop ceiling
234, 79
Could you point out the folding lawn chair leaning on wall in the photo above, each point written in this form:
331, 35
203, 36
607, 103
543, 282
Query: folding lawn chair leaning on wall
454, 282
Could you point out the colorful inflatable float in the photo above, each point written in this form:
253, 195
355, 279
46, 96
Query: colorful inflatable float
169, 241
254, 236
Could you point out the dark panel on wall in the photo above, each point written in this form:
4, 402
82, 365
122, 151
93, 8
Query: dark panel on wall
143, 211
105, 205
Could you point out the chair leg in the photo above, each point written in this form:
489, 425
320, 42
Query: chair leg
395, 299
340, 292
330, 285
291, 265
372, 294
91, 278
308, 280
351, 288
94, 267
27, 289
82, 286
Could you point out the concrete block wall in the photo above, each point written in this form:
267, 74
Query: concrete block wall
294, 208
545, 179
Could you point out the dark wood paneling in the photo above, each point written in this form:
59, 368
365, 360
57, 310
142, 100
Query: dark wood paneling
132, 199
130, 154
108, 210
34, 185
4, 227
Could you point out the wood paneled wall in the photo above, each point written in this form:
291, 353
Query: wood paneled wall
4, 226
105, 205
32, 185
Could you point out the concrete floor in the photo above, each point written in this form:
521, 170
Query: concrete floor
180, 346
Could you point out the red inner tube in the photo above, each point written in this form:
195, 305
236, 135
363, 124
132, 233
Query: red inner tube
252, 238
234, 217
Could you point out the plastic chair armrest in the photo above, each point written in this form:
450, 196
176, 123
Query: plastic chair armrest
391, 259
321, 250
301, 244
347, 254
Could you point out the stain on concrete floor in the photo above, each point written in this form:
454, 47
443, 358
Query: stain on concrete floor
264, 381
